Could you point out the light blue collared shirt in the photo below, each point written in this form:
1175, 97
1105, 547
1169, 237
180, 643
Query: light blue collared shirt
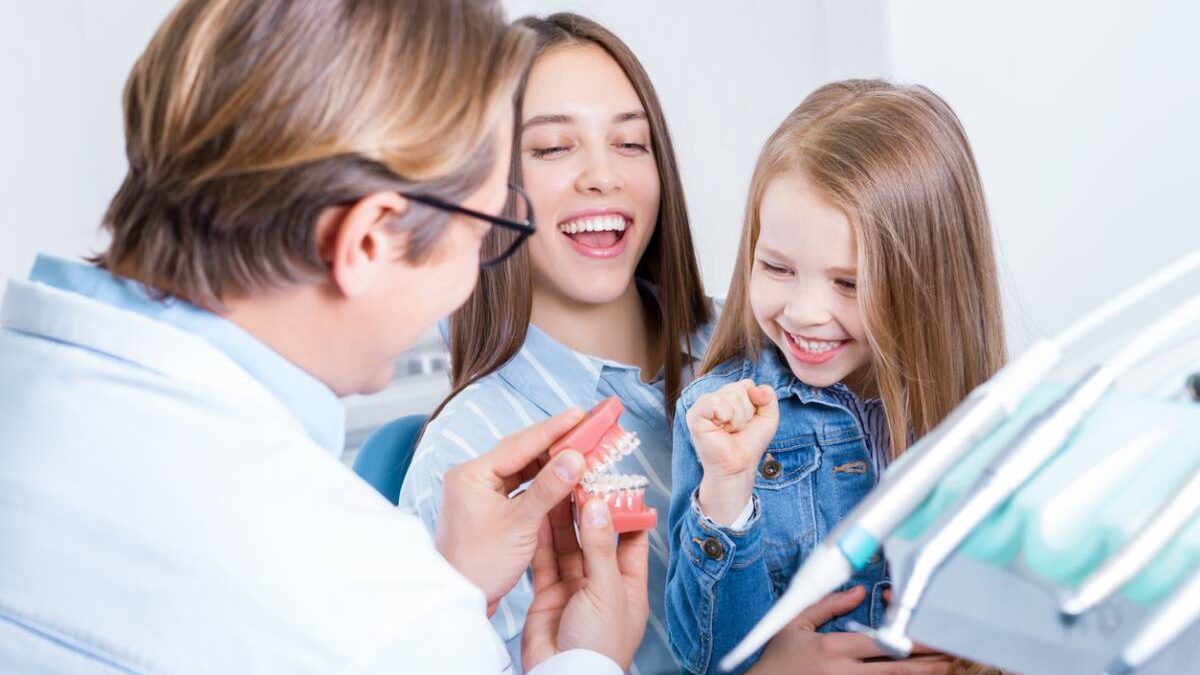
313, 404
544, 378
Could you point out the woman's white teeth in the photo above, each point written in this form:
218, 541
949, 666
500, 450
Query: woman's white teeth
594, 224
816, 346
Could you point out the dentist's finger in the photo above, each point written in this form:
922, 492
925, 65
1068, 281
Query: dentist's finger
599, 552
516, 451
550, 487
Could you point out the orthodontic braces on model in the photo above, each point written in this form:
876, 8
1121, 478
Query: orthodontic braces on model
603, 443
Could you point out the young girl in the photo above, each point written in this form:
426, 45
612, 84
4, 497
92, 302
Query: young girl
863, 308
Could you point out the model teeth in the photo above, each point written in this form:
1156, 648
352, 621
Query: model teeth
598, 481
816, 346
620, 486
612, 223
613, 453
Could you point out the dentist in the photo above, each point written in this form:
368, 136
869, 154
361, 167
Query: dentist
310, 187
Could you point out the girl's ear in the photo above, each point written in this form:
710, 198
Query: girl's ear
357, 241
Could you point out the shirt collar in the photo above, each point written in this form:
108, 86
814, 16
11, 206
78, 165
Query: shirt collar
553, 376
312, 403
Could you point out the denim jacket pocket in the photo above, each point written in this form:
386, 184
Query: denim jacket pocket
785, 493
785, 463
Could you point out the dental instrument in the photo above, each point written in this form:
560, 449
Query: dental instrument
854, 541
1178, 613
1038, 442
1139, 552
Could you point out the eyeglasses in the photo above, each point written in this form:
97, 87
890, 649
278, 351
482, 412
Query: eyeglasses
508, 231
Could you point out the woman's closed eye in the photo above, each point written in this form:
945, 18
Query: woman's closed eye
549, 152
633, 148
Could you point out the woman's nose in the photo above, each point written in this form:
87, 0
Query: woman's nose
598, 175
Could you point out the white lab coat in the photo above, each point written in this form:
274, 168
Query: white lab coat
160, 511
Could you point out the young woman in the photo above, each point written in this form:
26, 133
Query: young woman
605, 300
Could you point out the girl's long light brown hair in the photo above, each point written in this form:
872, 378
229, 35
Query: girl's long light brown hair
896, 160
491, 327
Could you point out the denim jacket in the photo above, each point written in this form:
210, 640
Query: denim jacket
818, 466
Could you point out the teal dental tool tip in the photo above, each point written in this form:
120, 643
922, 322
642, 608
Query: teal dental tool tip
859, 546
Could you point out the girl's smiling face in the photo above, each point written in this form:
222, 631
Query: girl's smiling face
803, 287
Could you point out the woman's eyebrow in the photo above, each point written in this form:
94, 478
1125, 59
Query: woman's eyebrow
631, 116
539, 120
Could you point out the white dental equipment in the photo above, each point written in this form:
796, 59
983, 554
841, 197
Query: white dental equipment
1037, 442
855, 540
1178, 613
1139, 552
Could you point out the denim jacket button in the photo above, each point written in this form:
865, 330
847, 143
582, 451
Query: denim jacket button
770, 468
713, 548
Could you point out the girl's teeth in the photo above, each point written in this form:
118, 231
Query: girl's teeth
815, 346
594, 224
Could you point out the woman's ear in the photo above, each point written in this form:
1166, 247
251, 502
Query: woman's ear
358, 241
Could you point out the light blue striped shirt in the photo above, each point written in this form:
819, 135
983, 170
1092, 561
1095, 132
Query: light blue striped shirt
546, 377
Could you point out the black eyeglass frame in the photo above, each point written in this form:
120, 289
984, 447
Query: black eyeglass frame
524, 228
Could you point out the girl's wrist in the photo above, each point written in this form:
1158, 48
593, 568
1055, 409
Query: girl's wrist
722, 499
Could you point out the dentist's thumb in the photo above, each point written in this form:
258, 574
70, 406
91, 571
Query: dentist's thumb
551, 485
599, 545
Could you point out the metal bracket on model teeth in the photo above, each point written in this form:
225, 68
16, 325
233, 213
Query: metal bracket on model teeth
613, 454
618, 484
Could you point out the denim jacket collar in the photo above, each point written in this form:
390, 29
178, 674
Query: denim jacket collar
771, 368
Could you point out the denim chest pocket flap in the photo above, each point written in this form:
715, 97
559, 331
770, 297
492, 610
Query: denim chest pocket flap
786, 462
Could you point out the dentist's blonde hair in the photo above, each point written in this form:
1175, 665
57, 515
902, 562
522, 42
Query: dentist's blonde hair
246, 119
896, 160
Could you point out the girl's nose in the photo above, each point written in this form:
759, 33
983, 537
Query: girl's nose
804, 309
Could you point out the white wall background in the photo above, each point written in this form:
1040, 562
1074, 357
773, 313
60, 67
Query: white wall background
1083, 117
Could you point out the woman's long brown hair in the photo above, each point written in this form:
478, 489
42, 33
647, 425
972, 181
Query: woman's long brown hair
490, 328
896, 160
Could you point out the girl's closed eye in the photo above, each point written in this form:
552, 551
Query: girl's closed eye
846, 285
773, 269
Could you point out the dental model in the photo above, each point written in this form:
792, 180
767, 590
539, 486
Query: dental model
1037, 443
854, 541
1178, 613
1139, 552
602, 442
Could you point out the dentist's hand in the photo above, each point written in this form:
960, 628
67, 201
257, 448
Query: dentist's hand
588, 593
731, 428
488, 537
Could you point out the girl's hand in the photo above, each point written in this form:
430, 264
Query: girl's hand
731, 428
799, 650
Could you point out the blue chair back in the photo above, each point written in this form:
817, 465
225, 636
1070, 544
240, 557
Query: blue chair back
384, 457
